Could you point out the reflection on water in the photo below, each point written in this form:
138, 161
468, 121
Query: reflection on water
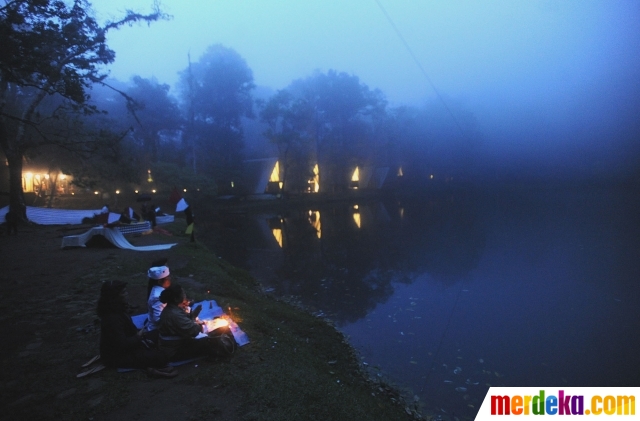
449, 295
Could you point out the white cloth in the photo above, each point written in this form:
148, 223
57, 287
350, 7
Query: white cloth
154, 307
111, 234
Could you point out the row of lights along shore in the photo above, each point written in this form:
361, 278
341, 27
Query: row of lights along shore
138, 191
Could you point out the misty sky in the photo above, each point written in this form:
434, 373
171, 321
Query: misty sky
547, 76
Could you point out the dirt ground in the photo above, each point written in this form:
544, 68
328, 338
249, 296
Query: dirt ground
49, 329
48, 326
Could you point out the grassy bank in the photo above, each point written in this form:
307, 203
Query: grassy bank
296, 367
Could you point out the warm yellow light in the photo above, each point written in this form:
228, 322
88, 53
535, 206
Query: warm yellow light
356, 219
96, 192
46, 176
136, 191
216, 323
73, 193
275, 174
153, 191
29, 174
277, 234
356, 175
314, 219
184, 190
280, 184
63, 176
117, 191
355, 207
232, 185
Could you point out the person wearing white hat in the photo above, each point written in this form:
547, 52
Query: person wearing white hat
159, 280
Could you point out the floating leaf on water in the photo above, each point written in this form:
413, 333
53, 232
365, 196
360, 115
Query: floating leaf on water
413, 362
461, 389
402, 333
471, 406
413, 303
480, 360
457, 370
448, 381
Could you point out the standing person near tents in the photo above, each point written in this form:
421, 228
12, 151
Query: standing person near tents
159, 280
121, 344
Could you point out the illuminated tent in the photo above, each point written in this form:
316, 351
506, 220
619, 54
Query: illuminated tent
260, 176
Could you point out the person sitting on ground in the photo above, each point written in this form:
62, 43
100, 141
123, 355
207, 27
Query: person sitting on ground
121, 344
103, 216
159, 280
178, 330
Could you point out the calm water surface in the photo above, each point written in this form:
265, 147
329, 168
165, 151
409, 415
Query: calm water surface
449, 294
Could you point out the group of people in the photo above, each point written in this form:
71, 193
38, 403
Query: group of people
128, 215
169, 334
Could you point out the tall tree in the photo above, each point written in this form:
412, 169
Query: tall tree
157, 114
336, 112
217, 88
49, 49
288, 120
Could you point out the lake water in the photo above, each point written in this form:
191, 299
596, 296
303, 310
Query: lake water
453, 292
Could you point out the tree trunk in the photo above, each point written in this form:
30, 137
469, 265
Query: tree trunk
16, 195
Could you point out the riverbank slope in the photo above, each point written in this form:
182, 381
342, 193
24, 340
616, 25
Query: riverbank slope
296, 367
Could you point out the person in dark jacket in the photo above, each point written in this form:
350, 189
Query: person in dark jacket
178, 330
121, 343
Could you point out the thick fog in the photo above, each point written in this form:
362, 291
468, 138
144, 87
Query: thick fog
554, 85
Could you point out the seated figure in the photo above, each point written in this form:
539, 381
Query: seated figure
178, 330
122, 345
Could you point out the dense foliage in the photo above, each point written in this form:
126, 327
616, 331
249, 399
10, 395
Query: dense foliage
58, 108
50, 50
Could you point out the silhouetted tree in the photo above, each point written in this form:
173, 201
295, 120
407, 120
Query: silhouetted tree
49, 48
217, 88
336, 112
158, 116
